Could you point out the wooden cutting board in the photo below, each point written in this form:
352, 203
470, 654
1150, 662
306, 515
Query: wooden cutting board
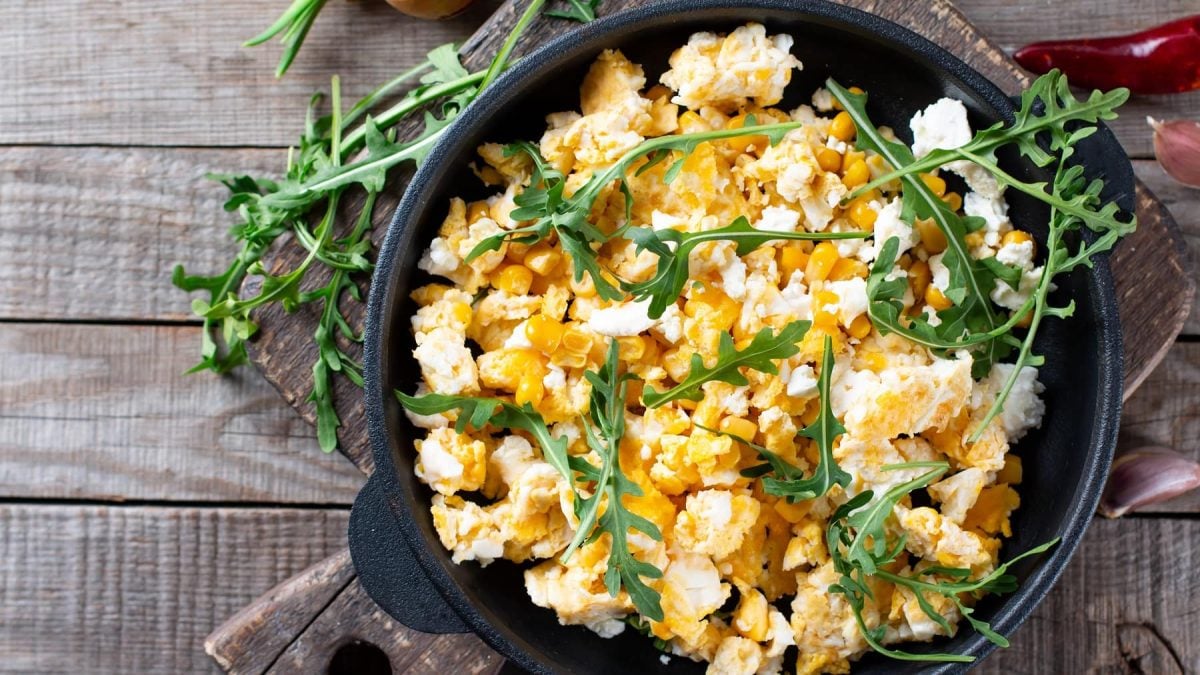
301, 624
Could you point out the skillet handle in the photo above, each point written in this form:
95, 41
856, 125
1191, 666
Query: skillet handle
388, 570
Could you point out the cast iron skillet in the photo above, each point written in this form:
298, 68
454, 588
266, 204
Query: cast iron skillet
399, 559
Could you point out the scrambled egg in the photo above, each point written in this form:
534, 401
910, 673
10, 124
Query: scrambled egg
746, 575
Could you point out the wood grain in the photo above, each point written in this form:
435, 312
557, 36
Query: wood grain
105, 412
1184, 204
125, 590
1126, 604
93, 233
1123, 600
144, 72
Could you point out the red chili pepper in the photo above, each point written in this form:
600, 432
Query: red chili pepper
1162, 60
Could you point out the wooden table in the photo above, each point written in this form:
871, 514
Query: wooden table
139, 508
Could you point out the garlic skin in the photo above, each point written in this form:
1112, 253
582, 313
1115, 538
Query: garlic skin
1177, 148
1145, 476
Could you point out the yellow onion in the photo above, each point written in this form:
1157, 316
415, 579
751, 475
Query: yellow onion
430, 9
1145, 476
1177, 147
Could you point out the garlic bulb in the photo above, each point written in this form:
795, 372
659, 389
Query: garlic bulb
1177, 147
1145, 476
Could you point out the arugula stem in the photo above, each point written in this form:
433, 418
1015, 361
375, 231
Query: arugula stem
407, 106
500, 62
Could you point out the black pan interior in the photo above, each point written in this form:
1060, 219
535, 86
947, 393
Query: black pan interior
1064, 461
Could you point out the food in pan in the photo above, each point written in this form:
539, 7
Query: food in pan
741, 377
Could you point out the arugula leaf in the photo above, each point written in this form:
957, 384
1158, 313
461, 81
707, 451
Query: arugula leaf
824, 430
607, 408
674, 248
479, 412
760, 355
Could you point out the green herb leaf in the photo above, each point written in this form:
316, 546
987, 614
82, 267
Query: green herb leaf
761, 354
674, 248
582, 11
824, 430
607, 408
294, 23
479, 412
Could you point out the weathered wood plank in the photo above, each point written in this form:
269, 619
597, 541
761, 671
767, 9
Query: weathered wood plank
71, 216
93, 233
135, 590
1126, 604
1184, 204
150, 73
145, 72
105, 412
1166, 411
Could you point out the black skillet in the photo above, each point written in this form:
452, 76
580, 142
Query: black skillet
399, 559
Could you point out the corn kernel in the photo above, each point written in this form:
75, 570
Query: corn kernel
936, 299
829, 159
848, 268
821, 262
583, 287
856, 174
953, 200
874, 361
576, 341
791, 260
842, 127
516, 252
825, 310
919, 277
974, 239
544, 333
935, 183
1018, 237
678, 362
476, 211
1012, 471
932, 237
530, 390
860, 327
740, 143
862, 214
691, 122
461, 312
514, 279
565, 359
630, 348
739, 426
1026, 320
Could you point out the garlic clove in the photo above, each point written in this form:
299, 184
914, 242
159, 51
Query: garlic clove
1145, 476
1177, 147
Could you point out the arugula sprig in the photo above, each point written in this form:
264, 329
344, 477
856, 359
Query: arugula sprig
857, 539
320, 170
824, 431
605, 511
761, 354
294, 24
783, 479
545, 203
674, 248
971, 281
479, 412
1050, 122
